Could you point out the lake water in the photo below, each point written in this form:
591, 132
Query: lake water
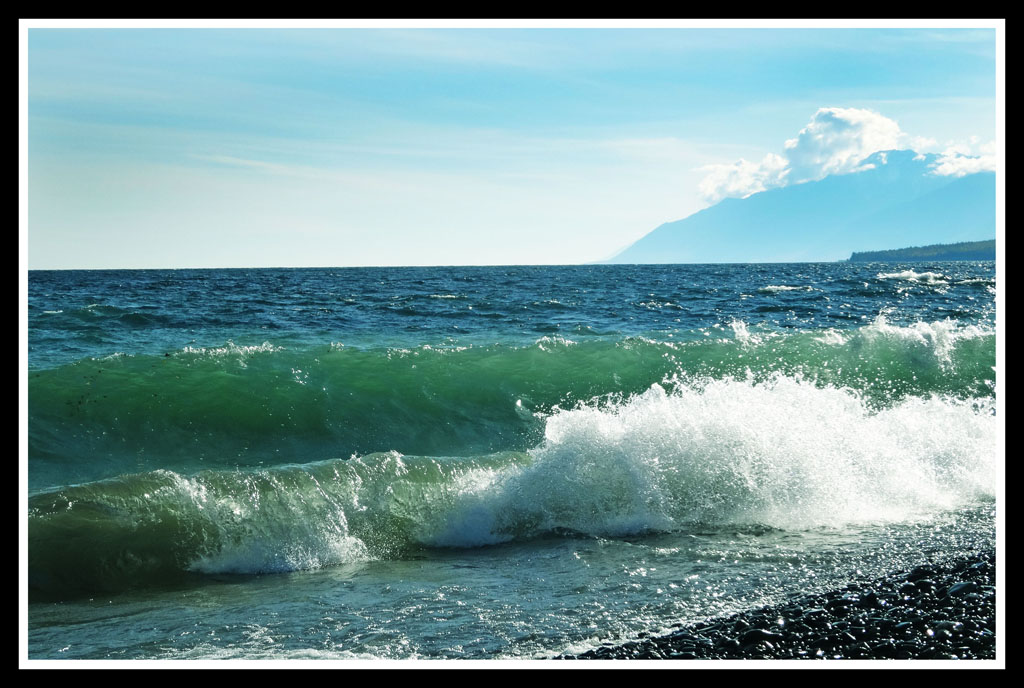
490, 462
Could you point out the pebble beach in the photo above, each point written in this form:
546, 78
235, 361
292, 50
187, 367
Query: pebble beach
934, 611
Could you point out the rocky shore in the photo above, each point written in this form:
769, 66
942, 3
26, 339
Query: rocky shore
934, 611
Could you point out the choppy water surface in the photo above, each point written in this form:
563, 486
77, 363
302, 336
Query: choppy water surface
490, 462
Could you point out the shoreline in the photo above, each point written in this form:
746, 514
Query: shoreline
940, 610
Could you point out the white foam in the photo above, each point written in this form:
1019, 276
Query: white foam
232, 349
832, 337
784, 453
911, 276
940, 336
250, 529
740, 331
772, 288
547, 343
272, 556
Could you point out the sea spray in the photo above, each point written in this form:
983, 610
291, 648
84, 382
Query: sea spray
782, 453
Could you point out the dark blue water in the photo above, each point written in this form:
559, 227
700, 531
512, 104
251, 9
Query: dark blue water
76, 314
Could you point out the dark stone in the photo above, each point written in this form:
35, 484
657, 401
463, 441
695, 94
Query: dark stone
756, 634
954, 600
961, 588
869, 600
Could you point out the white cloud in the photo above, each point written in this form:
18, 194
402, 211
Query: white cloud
921, 143
837, 141
962, 158
743, 178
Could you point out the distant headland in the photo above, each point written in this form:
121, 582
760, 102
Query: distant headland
965, 250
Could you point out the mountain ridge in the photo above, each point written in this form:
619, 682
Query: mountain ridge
897, 202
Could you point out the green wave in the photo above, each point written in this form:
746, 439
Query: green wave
782, 453
163, 528
267, 405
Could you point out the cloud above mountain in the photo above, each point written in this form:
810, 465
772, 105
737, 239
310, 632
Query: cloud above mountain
743, 178
835, 141
959, 160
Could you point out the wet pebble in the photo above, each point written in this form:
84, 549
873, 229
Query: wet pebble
934, 611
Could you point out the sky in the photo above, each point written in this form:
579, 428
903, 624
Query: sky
274, 147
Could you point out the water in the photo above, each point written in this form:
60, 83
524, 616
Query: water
500, 462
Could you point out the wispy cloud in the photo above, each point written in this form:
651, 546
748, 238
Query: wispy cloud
261, 165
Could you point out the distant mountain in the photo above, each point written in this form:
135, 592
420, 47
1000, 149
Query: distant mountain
897, 203
968, 250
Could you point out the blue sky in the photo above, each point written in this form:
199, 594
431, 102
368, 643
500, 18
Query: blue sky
213, 147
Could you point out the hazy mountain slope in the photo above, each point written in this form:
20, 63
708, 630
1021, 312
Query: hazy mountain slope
898, 203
